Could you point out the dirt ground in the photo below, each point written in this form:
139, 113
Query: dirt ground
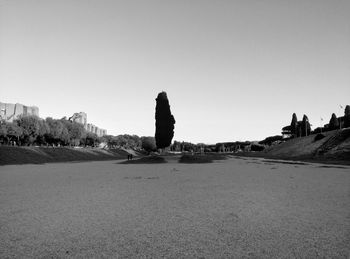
236, 208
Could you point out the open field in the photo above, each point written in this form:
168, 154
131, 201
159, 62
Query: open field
235, 208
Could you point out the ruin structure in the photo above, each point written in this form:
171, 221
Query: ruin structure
81, 117
9, 111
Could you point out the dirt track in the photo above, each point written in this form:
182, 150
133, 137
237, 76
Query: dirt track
238, 208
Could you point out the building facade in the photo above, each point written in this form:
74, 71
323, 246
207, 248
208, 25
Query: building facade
9, 111
81, 117
96, 130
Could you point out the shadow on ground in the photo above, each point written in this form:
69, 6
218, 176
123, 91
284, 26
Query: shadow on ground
185, 159
146, 160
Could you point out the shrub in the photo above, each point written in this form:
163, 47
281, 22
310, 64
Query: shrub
333, 122
270, 140
148, 144
255, 147
319, 137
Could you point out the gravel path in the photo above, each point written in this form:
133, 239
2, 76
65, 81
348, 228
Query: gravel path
238, 208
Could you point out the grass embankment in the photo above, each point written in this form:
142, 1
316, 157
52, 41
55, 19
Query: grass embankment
333, 148
39, 155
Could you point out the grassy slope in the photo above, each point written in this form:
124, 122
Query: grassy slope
334, 147
39, 155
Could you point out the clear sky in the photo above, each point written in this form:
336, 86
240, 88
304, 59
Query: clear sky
233, 70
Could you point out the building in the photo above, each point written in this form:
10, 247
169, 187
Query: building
96, 130
81, 117
9, 111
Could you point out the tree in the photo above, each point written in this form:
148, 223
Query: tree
113, 142
257, 147
176, 146
128, 141
294, 125
91, 139
164, 121
269, 140
347, 111
305, 126
56, 133
299, 130
333, 122
148, 144
136, 141
108, 139
30, 126
44, 129
14, 132
3, 132
64, 137
347, 116
121, 140
75, 130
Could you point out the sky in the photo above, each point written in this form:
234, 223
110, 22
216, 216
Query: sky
232, 70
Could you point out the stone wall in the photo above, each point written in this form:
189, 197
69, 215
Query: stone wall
81, 117
9, 111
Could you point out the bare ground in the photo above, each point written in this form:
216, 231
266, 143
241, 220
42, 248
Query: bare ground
236, 208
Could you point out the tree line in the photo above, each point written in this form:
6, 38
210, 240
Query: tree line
31, 130
336, 123
303, 128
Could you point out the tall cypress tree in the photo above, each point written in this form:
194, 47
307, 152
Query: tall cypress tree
305, 126
294, 125
333, 122
347, 111
347, 116
164, 121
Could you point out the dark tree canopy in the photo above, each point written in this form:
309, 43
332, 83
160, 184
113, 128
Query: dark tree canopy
91, 139
347, 116
164, 121
333, 122
347, 111
305, 126
294, 125
148, 144
30, 126
271, 139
